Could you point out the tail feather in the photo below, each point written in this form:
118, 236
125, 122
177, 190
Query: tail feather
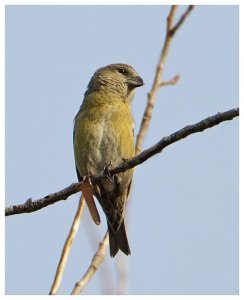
118, 240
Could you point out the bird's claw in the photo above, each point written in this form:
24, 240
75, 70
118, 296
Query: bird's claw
88, 178
107, 172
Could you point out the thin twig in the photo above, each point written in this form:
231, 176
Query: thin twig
126, 165
95, 263
67, 247
182, 19
170, 32
173, 81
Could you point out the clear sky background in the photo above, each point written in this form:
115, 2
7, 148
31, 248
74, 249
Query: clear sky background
182, 218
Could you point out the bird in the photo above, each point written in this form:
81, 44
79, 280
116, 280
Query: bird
103, 137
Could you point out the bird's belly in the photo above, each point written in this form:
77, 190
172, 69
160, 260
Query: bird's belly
101, 148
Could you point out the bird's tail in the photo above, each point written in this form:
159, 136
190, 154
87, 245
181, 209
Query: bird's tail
118, 240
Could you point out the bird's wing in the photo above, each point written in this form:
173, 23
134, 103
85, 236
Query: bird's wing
87, 192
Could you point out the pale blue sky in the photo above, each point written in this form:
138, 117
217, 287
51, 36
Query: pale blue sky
183, 212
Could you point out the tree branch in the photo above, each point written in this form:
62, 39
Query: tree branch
67, 247
157, 83
181, 20
172, 81
95, 263
31, 206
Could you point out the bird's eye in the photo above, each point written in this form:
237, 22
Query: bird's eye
121, 70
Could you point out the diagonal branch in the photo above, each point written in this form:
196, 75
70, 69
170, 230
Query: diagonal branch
96, 262
172, 81
67, 247
31, 206
170, 32
181, 20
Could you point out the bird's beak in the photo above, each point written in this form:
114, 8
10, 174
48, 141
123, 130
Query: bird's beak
135, 82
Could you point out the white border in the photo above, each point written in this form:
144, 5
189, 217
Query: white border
2, 128
2, 148
120, 2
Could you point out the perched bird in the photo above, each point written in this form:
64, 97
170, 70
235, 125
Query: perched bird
103, 137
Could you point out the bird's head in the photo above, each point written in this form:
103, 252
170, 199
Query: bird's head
116, 78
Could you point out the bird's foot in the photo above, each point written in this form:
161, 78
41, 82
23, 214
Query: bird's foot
88, 179
107, 171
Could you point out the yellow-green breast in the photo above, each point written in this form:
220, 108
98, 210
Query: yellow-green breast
103, 132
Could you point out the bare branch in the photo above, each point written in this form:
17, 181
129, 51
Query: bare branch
31, 206
96, 262
171, 17
173, 81
159, 71
67, 247
182, 19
